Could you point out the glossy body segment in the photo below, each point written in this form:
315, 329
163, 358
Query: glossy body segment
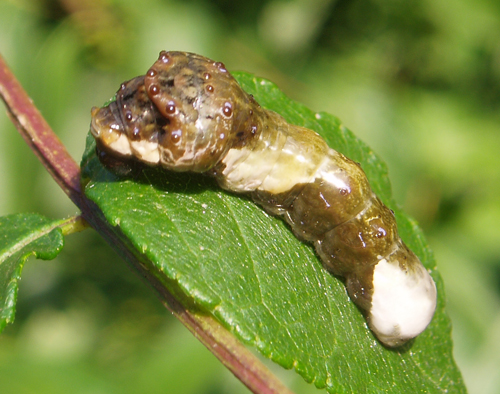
189, 114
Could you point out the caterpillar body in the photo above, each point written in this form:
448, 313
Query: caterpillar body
189, 114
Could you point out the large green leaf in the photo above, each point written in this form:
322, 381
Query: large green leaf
225, 255
22, 236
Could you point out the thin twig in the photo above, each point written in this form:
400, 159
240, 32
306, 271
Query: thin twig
39, 136
66, 172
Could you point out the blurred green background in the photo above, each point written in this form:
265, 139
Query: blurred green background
419, 81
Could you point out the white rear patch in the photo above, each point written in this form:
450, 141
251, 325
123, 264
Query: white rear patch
403, 303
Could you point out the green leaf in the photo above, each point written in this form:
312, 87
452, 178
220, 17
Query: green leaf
225, 255
22, 236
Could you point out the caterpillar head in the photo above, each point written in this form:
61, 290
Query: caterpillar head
184, 114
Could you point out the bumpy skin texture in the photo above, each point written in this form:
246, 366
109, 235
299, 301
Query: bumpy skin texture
189, 114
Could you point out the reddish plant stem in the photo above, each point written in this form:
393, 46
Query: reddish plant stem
39, 136
66, 172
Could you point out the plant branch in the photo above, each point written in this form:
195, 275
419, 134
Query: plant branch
39, 136
66, 172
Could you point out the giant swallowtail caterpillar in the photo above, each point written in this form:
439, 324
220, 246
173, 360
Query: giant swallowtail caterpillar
189, 114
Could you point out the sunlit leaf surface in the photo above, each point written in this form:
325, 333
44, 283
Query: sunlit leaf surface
231, 259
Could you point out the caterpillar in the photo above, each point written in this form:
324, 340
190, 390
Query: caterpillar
188, 113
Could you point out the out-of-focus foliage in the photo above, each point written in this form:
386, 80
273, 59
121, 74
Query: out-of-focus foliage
419, 81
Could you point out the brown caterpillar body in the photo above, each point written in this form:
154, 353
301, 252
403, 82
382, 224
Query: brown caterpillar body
189, 114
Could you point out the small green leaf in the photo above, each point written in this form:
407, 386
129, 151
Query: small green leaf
22, 236
225, 255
